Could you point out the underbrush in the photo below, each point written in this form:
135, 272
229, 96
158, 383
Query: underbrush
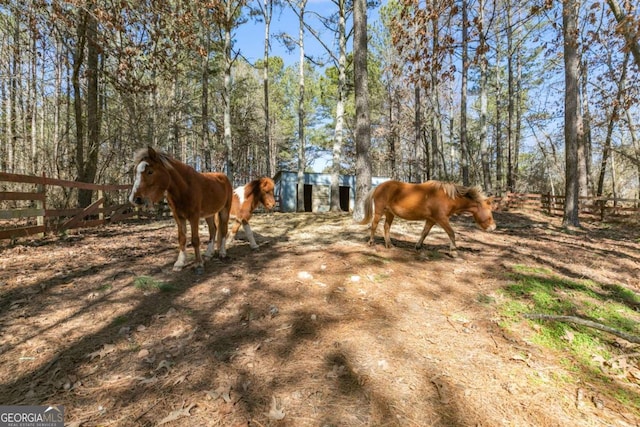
565, 315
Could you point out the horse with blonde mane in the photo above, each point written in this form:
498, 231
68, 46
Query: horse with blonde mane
432, 201
191, 195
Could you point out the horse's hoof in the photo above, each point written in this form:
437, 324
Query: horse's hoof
254, 247
177, 268
200, 269
453, 253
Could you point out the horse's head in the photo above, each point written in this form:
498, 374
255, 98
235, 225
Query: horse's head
151, 177
483, 215
266, 193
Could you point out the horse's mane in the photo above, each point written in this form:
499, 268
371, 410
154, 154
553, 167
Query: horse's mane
143, 154
454, 191
254, 187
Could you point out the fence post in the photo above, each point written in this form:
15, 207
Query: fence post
101, 207
42, 204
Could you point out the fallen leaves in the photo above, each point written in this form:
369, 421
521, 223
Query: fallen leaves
275, 411
105, 350
177, 414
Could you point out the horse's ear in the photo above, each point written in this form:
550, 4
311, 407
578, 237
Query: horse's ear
152, 153
265, 184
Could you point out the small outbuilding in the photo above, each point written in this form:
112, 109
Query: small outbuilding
317, 191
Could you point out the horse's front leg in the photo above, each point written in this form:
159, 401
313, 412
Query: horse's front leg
195, 242
425, 231
221, 236
249, 233
182, 243
211, 224
447, 227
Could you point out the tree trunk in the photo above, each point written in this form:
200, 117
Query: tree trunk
417, 125
464, 144
32, 108
510, 101
228, 142
573, 131
584, 168
301, 112
361, 85
78, 59
342, 80
204, 103
437, 145
499, 141
90, 166
271, 154
484, 75
613, 119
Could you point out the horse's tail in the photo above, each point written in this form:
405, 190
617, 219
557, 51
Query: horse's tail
368, 208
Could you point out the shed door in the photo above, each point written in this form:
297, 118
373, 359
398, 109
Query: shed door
308, 196
344, 198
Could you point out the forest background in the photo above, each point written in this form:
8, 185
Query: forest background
467, 91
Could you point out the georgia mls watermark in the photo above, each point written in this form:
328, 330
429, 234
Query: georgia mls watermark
32, 416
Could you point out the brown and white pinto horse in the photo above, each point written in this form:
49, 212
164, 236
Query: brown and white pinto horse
432, 201
245, 200
191, 195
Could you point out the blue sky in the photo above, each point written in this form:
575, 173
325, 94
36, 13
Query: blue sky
249, 37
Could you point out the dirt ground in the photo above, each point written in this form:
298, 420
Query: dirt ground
315, 328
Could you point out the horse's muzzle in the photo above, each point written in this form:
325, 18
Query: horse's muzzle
137, 201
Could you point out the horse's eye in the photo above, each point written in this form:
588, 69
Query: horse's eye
150, 172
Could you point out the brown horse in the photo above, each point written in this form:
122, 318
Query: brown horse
432, 201
191, 196
245, 200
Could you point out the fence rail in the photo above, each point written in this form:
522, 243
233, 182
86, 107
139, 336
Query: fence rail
598, 208
35, 218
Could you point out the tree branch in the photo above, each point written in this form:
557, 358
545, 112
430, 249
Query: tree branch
626, 23
572, 319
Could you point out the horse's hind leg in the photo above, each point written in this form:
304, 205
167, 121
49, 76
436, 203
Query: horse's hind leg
182, 243
427, 227
387, 226
233, 230
195, 242
212, 236
374, 227
223, 225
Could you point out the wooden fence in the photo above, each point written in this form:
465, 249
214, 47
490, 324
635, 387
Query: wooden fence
33, 216
597, 208
30, 214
